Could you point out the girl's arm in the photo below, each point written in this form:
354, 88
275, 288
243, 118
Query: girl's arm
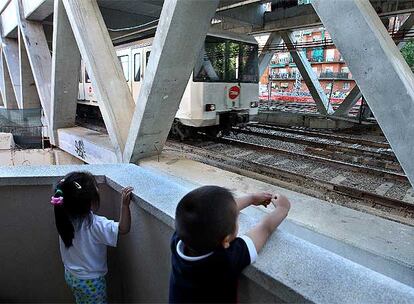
253, 199
125, 213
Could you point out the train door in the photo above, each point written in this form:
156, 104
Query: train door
87, 88
123, 56
146, 55
81, 90
137, 71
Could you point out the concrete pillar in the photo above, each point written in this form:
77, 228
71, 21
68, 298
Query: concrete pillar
379, 69
28, 92
39, 56
11, 56
309, 76
266, 55
179, 38
6, 87
349, 102
95, 45
65, 73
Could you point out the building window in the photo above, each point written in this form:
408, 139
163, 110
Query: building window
284, 85
328, 69
346, 86
344, 70
330, 55
328, 86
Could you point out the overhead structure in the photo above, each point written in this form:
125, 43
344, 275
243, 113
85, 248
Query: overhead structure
37, 73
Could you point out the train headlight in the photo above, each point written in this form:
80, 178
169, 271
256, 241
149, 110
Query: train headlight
253, 104
210, 107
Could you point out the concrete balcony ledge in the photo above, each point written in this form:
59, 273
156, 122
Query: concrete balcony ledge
289, 269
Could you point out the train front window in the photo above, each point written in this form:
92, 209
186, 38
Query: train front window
223, 60
249, 63
125, 65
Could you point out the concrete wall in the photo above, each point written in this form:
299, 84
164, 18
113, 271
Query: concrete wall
139, 267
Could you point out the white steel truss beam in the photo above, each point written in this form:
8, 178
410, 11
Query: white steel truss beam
65, 73
172, 59
95, 45
39, 56
379, 69
309, 76
266, 55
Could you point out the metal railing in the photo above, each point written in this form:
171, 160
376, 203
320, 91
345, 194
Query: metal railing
284, 76
335, 75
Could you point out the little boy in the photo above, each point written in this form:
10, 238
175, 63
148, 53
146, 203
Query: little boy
207, 255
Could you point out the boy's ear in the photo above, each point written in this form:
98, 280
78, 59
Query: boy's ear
226, 242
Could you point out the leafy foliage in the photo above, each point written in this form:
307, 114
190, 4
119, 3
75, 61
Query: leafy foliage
408, 53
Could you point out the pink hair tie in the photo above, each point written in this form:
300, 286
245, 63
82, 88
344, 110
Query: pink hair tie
56, 201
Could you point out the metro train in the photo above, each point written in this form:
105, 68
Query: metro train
222, 91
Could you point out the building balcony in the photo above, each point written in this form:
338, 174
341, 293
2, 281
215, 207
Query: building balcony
317, 255
282, 76
334, 75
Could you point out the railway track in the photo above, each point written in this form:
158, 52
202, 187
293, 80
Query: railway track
370, 154
382, 193
326, 134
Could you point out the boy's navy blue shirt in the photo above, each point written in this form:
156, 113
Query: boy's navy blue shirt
211, 278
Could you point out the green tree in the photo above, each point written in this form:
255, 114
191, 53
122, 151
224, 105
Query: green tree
408, 53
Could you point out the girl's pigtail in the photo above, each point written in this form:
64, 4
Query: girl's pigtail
63, 223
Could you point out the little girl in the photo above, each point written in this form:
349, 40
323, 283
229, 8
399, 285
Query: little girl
84, 236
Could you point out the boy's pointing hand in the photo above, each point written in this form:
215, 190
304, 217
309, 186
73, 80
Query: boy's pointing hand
261, 199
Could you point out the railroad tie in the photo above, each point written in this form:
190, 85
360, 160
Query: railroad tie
265, 158
282, 162
338, 179
383, 188
409, 196
319, 171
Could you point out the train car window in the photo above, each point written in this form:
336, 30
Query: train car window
249, 63
137, 67
147, 54
232, 61
211, 62
224, 60
125, 65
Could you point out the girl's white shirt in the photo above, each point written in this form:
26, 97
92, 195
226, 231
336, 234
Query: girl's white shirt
86, 258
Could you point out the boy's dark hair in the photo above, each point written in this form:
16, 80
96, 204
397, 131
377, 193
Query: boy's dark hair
204, 217
80, 195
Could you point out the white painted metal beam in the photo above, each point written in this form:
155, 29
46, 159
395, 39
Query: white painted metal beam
29, 99
37, 10
355, 94
172, 59
11, 56
405, 27
349, 102
8, 20
65, 73
379, 69
309, 76
39, 56
267, 54
95, 45
6, 87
